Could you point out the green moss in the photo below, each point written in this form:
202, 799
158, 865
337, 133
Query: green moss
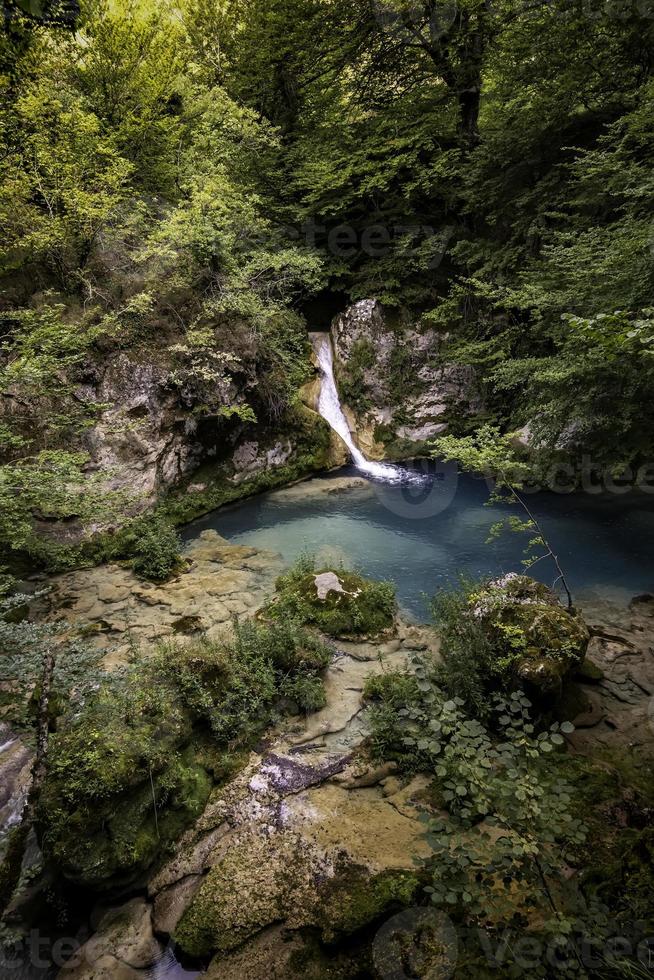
358, 607
120, 788
247, 891
589, 672
355, 899
532, 637
614, 798
129, 774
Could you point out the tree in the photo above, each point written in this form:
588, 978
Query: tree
493, 454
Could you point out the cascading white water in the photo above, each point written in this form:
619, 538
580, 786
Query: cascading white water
329, 406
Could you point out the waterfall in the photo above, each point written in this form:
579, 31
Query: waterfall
329, 407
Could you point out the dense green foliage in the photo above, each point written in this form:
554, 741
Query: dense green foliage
352, 606
158, 550
24, 643
175, 183
136, 763
132, 198
516, 814
490, 168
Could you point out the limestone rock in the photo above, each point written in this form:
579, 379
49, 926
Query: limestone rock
170, 904
369, 343
272, 954
123, 941
533, 638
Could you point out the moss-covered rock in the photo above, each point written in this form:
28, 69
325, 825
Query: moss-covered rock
337, 602
120, 788
251, 888
533, 638
265, 880
356, 898
132, 771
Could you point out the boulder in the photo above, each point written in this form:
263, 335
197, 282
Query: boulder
123, 942
534, 640
396, 386
338, 603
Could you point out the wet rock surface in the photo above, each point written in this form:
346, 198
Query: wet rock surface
118, 611
617, 705
15, 776
368, 333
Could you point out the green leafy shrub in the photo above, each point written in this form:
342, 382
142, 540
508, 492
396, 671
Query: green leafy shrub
485, 778
158, 549
131, 770
306, 691
466, 670
499, 635
288, 645
355, 606
386, 695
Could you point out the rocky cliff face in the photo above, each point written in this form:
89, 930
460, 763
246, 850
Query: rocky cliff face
152, 435
145, 439
394, 377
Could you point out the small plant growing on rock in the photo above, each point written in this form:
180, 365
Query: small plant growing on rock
158, 550
339, 603
490, 452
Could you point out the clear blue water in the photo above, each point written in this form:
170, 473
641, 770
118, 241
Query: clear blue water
421, 537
